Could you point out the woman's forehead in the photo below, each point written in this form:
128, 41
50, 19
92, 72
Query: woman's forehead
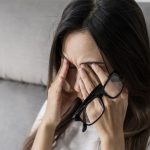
80, 48
79, 42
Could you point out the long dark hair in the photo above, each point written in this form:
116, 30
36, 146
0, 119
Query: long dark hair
119, 29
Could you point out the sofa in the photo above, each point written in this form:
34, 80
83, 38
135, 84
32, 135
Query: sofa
26, 32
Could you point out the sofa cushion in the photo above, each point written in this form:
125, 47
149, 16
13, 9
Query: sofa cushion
20, 103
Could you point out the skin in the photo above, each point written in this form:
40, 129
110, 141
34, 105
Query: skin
52, 115
77, 53
82, 79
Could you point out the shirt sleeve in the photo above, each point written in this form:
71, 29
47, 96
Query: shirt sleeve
38, 118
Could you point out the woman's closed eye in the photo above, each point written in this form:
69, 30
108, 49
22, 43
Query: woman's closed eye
74, 67
71, 66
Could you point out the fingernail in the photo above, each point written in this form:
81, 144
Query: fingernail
93, 65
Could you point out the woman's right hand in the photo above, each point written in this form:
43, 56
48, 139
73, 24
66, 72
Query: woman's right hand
54, 106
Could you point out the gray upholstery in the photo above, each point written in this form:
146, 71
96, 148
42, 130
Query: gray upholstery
26, 28
20, 103
145, 6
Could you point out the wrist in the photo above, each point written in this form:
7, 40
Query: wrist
48, 125
116, 142
49, 121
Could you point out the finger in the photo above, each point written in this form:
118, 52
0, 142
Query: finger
62, 73
94, 78
107, 102
97, 103
100, 73
85, 94
86, 80
83, 89
124, 94
63, 68
124, 97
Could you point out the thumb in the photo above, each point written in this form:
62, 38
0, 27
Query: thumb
62, 73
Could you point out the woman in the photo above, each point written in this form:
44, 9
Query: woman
105, 35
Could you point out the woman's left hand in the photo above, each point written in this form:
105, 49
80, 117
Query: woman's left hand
111, 122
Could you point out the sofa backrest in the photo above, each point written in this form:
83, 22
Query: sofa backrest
145, 6
26, 32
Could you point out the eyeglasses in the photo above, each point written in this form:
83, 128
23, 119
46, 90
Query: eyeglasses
112, 89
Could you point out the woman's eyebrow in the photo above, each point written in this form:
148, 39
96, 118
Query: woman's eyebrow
87, 62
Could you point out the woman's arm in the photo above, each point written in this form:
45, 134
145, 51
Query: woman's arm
44, 137
115, 143
54, 110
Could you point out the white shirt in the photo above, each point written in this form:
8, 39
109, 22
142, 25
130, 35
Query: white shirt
73, 138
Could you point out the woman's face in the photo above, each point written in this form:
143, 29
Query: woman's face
79, 47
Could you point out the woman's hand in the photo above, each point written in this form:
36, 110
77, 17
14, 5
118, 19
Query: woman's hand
57, 97
110, 125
